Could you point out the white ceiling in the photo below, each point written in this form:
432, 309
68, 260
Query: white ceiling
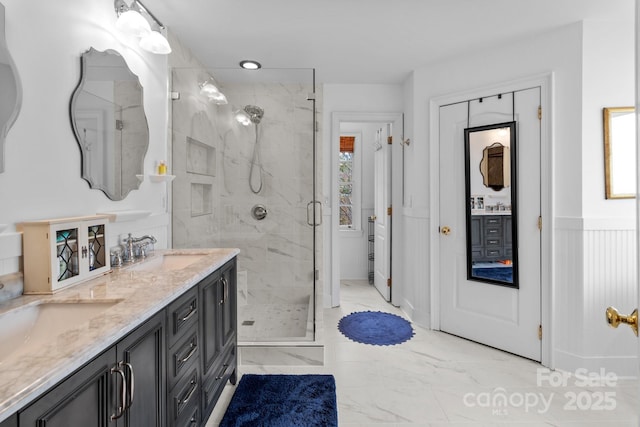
364, 41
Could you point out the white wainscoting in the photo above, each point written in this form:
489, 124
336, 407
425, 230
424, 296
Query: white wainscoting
416, 288
595, 267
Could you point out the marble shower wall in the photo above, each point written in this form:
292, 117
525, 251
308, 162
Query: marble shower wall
277, 252
211, 197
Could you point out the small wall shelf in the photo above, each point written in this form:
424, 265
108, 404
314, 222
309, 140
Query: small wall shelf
157, 178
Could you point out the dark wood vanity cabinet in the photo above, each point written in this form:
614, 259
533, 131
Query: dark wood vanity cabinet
180, 360
102, 393
183, 349
491, 238
12, 421
144, 350
219, 333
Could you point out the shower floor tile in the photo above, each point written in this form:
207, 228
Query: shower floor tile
272, 321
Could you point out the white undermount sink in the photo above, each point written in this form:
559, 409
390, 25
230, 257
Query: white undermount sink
167, 262
26, 330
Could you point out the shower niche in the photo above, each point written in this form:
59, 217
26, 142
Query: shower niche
257, 150
201, 199
201, 158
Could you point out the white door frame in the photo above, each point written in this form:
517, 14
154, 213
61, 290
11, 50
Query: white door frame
396, 194
545, 82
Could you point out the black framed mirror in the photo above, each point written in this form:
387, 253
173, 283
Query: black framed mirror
491, 211
109, 122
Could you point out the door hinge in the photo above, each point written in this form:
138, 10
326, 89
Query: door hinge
390, 140
540, 332
540, 223
316, 275
174, 96
389, 210
539, 112
119, 124
389, 282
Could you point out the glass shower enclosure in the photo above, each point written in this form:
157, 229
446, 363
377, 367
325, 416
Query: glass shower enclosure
245, 178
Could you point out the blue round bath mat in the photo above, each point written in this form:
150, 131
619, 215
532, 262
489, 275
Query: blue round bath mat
376, 328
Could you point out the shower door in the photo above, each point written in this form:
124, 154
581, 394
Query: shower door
245, 178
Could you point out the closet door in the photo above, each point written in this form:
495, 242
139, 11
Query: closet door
502, 315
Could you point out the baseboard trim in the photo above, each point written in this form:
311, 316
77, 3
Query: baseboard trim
623, 367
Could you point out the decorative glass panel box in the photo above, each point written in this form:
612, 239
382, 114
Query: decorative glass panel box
62, 252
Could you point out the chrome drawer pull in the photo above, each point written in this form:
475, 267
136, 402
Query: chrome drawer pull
190, 314
190, 394
224, 369
191, 353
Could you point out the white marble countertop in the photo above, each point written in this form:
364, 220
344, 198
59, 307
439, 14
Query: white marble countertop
140, 293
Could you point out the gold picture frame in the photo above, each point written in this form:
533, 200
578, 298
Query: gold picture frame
619, 152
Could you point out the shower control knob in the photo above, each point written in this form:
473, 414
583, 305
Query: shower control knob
259, 212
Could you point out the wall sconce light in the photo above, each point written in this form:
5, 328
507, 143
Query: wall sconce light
212, 92
242, 117
132, 21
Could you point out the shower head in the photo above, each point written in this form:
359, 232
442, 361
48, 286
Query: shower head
255, 113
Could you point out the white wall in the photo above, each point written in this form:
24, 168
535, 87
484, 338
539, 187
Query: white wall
42, 162
585, 59
608, 81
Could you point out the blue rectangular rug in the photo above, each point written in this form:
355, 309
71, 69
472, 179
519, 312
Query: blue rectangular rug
283, 401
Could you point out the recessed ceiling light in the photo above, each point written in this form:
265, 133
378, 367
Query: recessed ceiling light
250, 65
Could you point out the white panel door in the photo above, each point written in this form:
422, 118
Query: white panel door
382, 203
499, 316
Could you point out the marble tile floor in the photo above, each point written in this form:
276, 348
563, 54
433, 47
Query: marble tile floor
436, 379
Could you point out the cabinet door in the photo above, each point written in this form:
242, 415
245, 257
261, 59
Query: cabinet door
477, 251
81, 251
144, 349
85, 399
228, 322
12, 421
65, 242
95, 253
211, 294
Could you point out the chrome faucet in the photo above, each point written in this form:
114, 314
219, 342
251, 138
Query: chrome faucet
131, 243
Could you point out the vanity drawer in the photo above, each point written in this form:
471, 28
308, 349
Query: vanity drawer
182, 316
213, 388
494, 252
492, 220
492, 242
181, 357
493, 230
191, 416
183, 397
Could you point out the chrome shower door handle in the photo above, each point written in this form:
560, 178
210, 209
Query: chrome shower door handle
318, 215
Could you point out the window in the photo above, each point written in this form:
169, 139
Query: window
347, 184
